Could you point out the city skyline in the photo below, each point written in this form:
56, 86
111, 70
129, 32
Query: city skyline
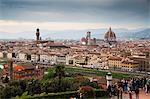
75, 49
72, 15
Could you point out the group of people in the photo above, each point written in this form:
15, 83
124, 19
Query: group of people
129, 86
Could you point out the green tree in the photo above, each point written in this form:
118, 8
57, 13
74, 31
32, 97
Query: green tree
70, 84
11, 91
81, 80
46, 86
59, 72
67, 84
19, 83
34, 87
50, 75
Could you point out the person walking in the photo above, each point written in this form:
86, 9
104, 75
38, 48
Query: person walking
137, 92
117, 90
148, 88
120, 89
126, 86
145, 80
130, 95
109, 90
121, 92
145, 88
129, 90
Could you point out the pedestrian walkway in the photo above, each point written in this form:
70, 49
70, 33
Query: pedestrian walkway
124, 97
142, 95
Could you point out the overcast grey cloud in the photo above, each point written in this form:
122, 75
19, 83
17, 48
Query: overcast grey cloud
75, 10
149, 12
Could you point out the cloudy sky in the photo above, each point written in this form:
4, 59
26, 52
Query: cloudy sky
26, 15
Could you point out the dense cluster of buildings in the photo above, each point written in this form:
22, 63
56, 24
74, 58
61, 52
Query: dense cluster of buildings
113, 55
22, 71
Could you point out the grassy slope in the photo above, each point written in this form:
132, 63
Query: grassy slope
94, 72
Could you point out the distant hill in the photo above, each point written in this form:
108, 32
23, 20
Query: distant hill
136, 34
121, 33
142, 34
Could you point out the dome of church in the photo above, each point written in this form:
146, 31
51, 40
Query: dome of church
83, 39
110, 36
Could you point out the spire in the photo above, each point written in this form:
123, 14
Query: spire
109, 28
37, 29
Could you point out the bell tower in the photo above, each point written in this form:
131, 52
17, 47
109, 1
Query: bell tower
37, 35
88, 37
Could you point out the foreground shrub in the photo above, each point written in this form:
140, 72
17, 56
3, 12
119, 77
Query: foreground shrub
87, 92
